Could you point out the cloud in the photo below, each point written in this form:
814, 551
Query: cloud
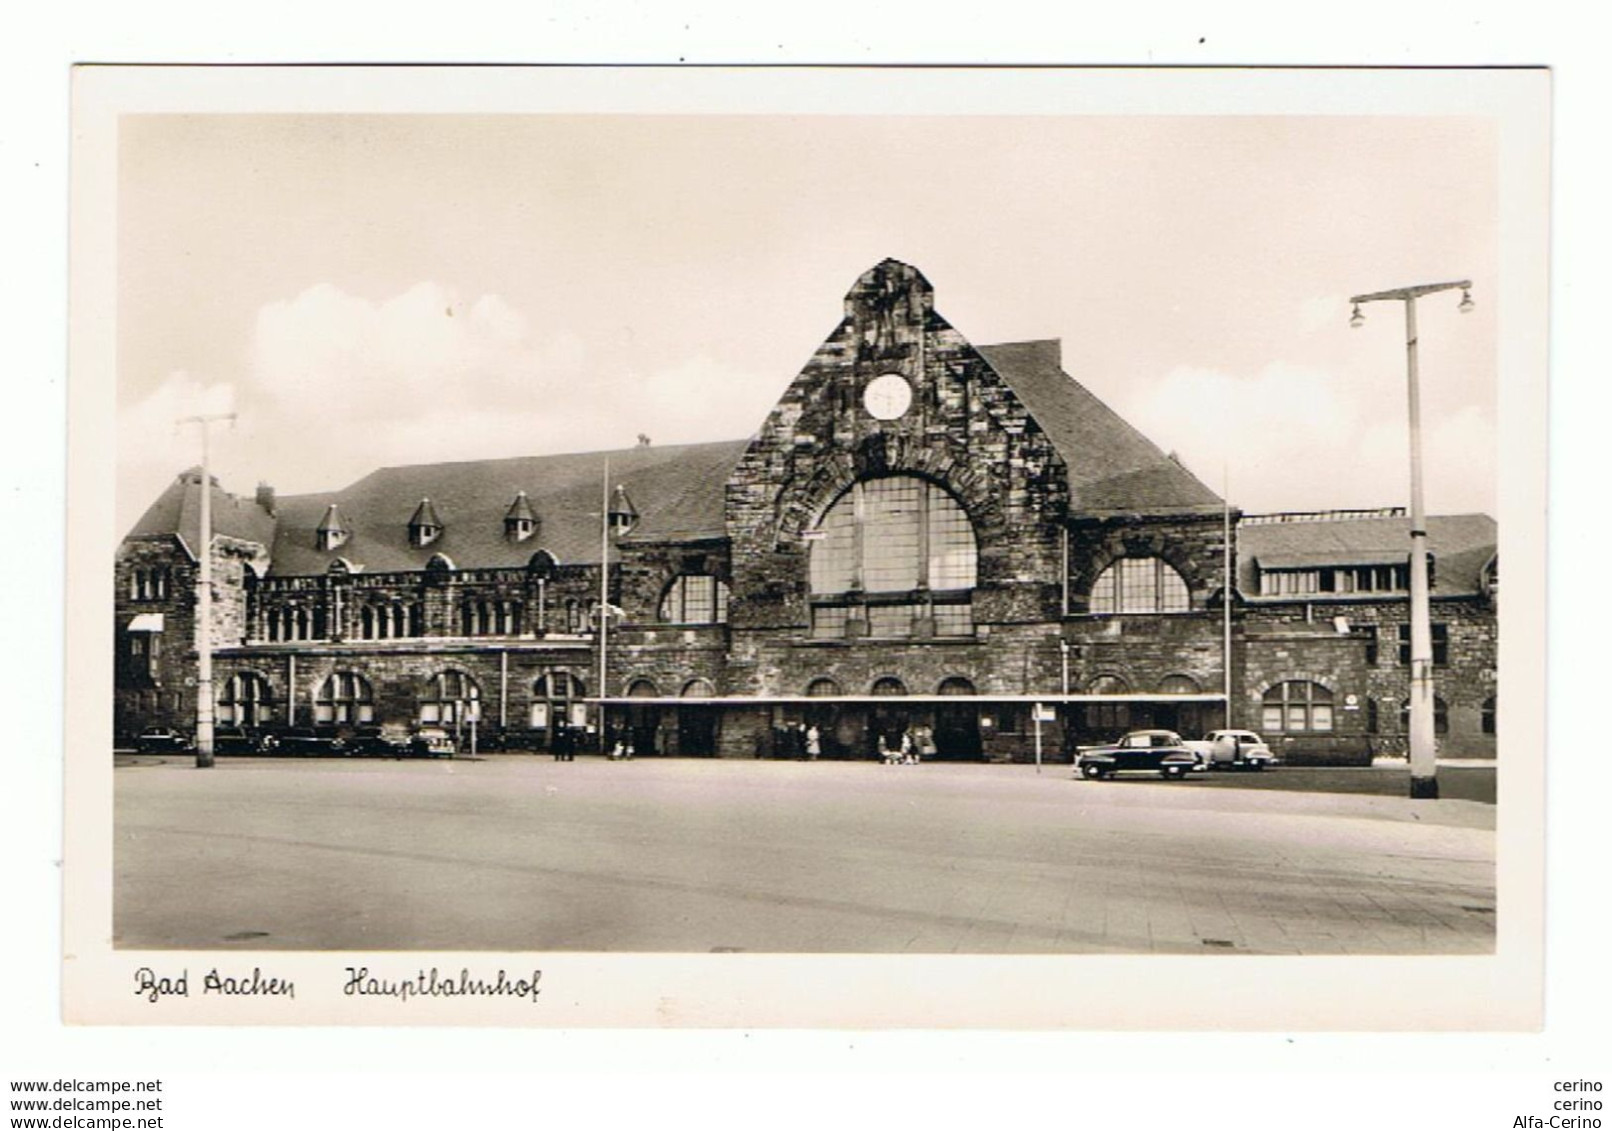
1294, 438
337, 385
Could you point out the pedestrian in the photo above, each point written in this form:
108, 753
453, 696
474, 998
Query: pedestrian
889, 749
926, 742
814, 743
909, 752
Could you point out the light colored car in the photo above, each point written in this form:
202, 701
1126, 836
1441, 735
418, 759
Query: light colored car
432, 742
1237, 750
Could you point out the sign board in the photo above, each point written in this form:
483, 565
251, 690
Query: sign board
1045, 714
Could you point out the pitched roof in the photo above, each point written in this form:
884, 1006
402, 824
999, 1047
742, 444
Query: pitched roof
1461, 545
1112, 466
678, 490
178, 511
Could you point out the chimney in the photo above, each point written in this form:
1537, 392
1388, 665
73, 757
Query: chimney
265, 498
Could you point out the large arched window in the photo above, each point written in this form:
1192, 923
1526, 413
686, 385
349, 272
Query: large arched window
695, 599
1298, 707
893, 556
1139, 585
245, 700
449, 698
344, 697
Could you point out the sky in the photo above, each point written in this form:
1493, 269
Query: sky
369, 290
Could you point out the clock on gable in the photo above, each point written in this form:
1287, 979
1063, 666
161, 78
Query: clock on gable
887, 397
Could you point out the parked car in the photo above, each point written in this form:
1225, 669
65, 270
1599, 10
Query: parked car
235, 740
1234, 749
432, 742
1156, 751
308, 742
379, 742
161, 740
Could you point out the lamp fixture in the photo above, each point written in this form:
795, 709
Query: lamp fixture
1357, 319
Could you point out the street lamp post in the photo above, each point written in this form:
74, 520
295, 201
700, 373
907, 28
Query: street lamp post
204, 598
1423, 747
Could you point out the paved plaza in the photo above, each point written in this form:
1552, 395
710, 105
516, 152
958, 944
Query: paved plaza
521, 853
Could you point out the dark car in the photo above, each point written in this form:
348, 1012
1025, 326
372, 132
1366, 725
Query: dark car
1155, 751
379, 742
235, 740
161, 740
308, 742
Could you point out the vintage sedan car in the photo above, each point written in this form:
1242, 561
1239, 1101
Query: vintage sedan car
236, 740
308, 742
161, 740
432, 742
1154, 751
379, 742
1238, 750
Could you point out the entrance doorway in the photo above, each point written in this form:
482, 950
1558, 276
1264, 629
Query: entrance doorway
697, 725
957, 725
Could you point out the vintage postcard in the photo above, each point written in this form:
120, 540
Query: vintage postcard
894, 548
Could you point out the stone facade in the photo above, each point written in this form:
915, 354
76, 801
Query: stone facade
1060, 500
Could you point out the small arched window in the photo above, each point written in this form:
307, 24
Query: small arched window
1179, 685
822, 688
698, 689
245, 700
889, 685
1298, 707
694, 599
1139, 585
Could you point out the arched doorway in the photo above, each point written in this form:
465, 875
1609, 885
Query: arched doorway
957, 725
643, 721
837, 730
887, 721
697, 725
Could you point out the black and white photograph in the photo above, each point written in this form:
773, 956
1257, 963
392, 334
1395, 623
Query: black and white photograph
811, 516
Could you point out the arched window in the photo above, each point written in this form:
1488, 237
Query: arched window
449, 698
1297, 707
1139, 585
888, 685
955, 685
643, 689
344, 697
245, 700
554, 699
1179, 685
822, 688
698, 689
695, 599
1441, 716
893, 556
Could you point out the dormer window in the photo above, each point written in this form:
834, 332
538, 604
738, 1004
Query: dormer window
520, 523
425, 527
332, 531
623, 515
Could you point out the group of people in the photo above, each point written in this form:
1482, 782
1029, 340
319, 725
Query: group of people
803, 744
908, 746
